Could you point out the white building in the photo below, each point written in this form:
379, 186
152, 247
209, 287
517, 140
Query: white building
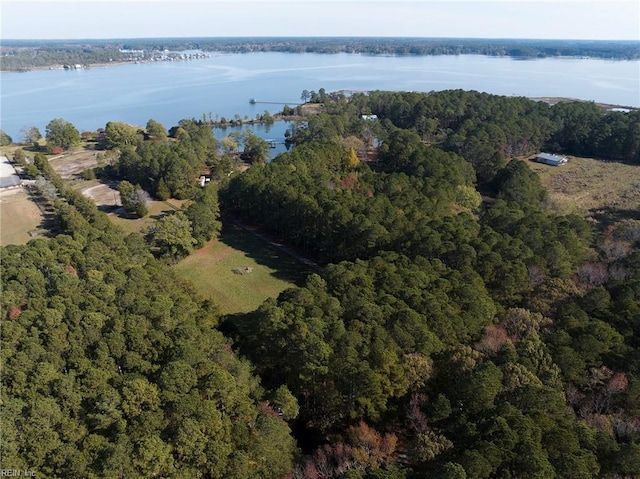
8, 176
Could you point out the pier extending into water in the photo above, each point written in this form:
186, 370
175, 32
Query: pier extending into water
253, 101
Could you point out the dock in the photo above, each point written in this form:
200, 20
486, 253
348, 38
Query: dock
253, 101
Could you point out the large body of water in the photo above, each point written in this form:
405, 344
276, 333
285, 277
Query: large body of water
223, 84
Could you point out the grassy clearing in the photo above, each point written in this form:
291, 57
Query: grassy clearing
107, 197
211, 271
157, 209
592, 188
19, 216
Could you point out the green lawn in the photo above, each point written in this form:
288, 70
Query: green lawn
19, 218
157, 209
211, 269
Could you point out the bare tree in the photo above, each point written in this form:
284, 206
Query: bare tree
30, 135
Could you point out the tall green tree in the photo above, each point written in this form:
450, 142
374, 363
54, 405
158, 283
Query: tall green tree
118, 134
133, 198
172, 235
204, 214
61, 133
156, 130
518, 184
256, 149
5, 139
19, 157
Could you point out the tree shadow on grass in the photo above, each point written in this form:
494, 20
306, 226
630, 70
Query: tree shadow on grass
158, 216
50, 225
285, 266
109, 209
128, 215
608, 216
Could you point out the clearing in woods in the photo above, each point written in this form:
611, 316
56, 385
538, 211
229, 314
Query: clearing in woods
239, 270
107, 197
71, 165
603, 190
20, 217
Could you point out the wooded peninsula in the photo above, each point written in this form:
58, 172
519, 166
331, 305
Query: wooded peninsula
22, 55
456, 325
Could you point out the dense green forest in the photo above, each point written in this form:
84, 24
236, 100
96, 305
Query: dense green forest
466, 329
26, 54
113, 367
456, 327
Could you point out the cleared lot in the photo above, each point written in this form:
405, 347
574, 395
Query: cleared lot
239, 270
19, 217
102, 194
69, 166
587, 186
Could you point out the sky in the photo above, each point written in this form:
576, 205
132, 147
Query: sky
92, 19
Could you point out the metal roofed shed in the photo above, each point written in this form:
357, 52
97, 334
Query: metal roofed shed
550, 159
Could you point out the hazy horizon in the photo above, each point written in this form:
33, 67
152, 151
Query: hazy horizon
322, 37
578, 20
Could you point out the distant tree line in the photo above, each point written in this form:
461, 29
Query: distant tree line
21, 55
47, 55
429, 46
26, 54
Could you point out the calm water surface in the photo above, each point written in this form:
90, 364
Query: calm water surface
273, 132
223, 84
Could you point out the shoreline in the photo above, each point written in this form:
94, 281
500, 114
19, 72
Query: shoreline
88, 66
84, 67
553, 100
207, 54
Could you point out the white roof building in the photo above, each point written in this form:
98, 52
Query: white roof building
550, 159
8, 176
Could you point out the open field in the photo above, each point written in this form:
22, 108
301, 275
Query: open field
157, 209
107, 197
592, 188
70, 165
19, 216
211, 269
104, 195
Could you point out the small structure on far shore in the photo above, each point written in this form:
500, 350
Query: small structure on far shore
550, 159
